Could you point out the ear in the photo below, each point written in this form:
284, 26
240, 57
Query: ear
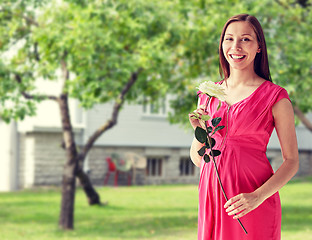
259, 50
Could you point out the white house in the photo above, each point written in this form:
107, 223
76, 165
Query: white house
31, 153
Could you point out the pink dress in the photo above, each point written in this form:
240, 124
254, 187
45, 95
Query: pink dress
243, 167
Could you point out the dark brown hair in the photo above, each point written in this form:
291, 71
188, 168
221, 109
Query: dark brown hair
261, 63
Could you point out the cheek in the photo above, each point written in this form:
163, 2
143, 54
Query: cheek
253, 53
225, 49
253, 49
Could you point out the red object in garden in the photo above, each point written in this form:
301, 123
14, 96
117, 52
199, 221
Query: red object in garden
111, 169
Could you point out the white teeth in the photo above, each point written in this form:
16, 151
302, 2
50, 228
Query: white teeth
237, 56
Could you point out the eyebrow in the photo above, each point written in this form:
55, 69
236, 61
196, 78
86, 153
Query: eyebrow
242, 34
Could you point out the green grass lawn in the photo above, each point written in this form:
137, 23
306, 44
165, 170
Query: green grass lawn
149, 212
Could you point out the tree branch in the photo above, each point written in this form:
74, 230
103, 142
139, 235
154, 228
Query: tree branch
37, 57
303, 118
282, 4
30, 21
26, 95
113, 120
64, 71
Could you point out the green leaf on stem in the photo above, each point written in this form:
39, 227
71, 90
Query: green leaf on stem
215, 153
209, 129
213, 142
217, 129
206, 158
216, 121
200, 134
202, 151
219, 105
205, 117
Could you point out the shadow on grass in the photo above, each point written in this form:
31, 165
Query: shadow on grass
111, 221
136, 226
306, 179
296, 218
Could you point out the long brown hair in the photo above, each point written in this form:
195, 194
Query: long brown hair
261, 63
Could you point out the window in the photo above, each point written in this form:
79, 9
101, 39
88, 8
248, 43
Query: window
154, 166
187, 167
156, 108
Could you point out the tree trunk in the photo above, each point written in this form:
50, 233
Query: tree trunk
92, 196
66, 220
306, 122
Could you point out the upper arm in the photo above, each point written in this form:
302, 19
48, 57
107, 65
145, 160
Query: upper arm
283, 115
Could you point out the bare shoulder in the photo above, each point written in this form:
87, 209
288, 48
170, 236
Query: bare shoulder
282, 109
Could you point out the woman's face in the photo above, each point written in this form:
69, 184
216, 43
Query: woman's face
240, 45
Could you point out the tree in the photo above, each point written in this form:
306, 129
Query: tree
104, 47
101, 48
292, 66
287, 26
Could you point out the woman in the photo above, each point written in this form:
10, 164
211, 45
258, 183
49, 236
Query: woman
252, 108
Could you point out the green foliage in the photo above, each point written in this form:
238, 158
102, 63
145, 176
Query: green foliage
203, 136
290, 45
287, 27
174, 43
215, 153
215, 121
102, 43
200, 135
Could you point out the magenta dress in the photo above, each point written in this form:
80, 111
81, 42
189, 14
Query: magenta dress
243, 167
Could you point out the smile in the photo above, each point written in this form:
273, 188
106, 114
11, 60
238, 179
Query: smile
234, 56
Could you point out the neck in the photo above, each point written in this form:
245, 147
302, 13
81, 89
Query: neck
242, 77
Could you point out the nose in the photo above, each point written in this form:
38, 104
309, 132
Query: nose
236, 45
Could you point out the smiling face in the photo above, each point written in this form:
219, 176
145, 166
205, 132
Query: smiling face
240, 46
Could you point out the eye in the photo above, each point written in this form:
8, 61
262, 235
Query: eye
245, 39
228, 39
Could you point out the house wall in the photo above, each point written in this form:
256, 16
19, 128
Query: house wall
136, 128
8, 156
170, 173
42, 160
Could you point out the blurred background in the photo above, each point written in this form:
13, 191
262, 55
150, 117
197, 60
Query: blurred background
95, 94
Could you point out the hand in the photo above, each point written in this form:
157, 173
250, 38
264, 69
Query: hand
198, 122
242, 204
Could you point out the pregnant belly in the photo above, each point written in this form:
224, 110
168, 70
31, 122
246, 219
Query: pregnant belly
243, 170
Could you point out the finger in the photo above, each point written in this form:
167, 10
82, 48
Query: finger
232, 200
200, 111
234, 206
241, 214
236, 210
203, 106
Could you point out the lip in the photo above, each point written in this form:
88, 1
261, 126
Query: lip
237, 57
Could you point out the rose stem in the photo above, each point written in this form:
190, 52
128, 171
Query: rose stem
219, 180
216, 168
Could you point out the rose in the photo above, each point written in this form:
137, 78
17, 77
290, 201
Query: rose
212, 90
204, 133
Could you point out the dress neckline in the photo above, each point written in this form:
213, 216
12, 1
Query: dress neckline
246, 98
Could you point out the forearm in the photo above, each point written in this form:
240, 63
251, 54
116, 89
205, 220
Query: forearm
195, 157
286, 171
